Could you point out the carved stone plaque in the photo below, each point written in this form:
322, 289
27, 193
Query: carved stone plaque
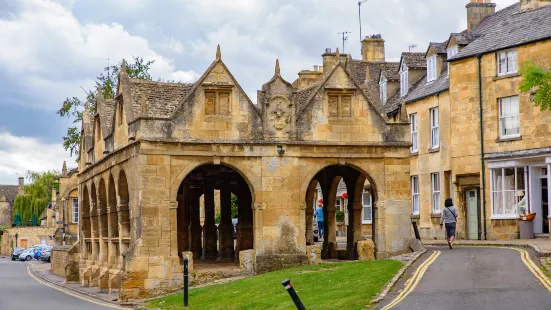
280, 112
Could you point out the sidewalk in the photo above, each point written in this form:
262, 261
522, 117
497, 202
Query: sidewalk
542, 247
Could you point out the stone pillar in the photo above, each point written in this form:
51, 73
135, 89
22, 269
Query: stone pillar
330, 222
123, 213
183, 220
102, 250
112, 259
195, 230
245, 237
94, 236
354, 187
225, 228
309, 223
209, 240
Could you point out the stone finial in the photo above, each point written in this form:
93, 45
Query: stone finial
218, 53
64, 170
124, 68
338, 56
277, 70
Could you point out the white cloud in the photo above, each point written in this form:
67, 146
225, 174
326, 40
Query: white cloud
21, 154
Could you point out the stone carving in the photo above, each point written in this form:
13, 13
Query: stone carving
281, 115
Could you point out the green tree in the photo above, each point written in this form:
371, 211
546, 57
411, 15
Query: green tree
37, 195
234, 206
73, 107
537, 79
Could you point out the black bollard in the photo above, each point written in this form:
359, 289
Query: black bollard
416, 230
186, 260
287, 284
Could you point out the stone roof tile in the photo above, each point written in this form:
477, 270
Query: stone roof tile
10, 191
160, 98
414, 60
422, 89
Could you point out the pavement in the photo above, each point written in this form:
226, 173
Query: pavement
542, 247
20, 290
471, 278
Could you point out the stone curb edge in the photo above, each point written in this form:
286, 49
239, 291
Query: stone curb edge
77, 291
392, 282
534, 247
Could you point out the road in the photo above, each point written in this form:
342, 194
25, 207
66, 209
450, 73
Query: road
471, 278
18, 290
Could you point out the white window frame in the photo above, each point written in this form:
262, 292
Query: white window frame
415, 195
431, 68
404, 80
367, 207
452, 51
382, 89
434, 128
507, 62
338, 204
496, 191
74, 211
414, 126
435, 188
503, 118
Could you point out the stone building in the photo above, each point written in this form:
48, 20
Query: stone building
450, 108
64, 211
7, 199
149, 156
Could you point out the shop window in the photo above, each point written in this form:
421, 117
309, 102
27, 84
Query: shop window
508, 192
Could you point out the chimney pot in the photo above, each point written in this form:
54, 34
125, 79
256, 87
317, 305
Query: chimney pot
21, 181
373, 48
328, 50
477, 10
316, 68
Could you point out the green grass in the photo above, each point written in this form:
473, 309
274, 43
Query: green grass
326, 286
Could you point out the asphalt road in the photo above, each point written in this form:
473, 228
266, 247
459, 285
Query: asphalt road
19, 291
474, 278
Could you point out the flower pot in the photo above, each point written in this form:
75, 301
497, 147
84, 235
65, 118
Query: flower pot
528, 217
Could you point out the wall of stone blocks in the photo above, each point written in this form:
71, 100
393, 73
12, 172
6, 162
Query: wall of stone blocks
33, 236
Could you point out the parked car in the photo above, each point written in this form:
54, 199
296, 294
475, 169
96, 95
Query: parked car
234, 222
315, 230
41, 250
16, 252
45, 257
27, 255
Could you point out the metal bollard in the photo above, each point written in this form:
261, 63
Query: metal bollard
186, 261
287, 284
416, 230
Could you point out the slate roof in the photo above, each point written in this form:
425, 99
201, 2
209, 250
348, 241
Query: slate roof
371, 86
422, 89
394, 103
508, 28
414, 60
10, 191
302, 96
463, 38
391, 70
106, 115
161, 98
358, 70
439, 48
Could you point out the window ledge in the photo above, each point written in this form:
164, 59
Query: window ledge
506, 76
509, 139
367, 222
415, 216
416, 153
434, 150
504, 217
436, 215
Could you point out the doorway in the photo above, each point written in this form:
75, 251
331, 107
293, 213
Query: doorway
544, 206
472, 213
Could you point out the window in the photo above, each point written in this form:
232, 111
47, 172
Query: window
507, 62
434, 132
509, 122
435, 181
431, 68
452, 51
404, 80
413, 125
75, 210
382, 89
508, 192
367, 208
338, 204
340, 105
415, 194
217, 102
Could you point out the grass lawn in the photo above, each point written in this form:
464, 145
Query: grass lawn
326, 286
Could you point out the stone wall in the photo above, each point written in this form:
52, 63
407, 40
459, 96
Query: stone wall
32, 235
65, 262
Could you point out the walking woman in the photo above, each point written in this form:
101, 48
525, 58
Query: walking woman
449, 218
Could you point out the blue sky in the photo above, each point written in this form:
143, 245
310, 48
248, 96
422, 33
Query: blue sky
50, 49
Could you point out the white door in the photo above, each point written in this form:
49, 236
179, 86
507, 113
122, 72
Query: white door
472, 214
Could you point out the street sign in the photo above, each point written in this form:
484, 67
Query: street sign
59, 222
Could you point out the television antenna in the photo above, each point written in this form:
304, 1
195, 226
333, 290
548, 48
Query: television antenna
412, 46
344, 38
360, 2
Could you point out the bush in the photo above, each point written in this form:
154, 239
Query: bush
340, 216
217, 218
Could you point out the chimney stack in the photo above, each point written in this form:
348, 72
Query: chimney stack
373, 48
477, 10
527, 5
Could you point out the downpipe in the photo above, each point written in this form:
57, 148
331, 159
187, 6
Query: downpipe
482, 161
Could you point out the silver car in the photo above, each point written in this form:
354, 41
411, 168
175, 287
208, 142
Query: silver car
27, 255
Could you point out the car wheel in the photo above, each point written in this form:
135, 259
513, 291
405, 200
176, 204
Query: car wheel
48, 259
12, 258
29, 258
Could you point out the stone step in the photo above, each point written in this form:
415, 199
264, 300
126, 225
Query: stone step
541, 236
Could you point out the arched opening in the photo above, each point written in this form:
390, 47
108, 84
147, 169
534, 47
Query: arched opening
123, 208
343, 197
103, 224
94, 220
113, 222
227, 225
85, 225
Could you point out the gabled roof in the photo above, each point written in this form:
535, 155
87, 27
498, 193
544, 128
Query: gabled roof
160, 99
508, 28
391, 71
439, 48
422, 89
302, 96
10, 191
394, 103
463, 38
414, 60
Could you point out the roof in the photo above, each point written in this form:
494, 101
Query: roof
414, 60
508, 28
422, 89
391, 70
160, 98
371, 86
358, 70
394, 103
439, 48
10, 191
463, 38
303, 95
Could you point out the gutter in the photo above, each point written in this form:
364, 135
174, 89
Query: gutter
482, 161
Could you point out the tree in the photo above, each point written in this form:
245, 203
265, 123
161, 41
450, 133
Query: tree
72, 108
37, 195
538, 79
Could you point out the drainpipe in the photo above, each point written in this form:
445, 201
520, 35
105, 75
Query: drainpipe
482, 162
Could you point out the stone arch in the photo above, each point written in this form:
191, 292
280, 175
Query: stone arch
94, 240
85, 214
113, 221
123, 208
103, 222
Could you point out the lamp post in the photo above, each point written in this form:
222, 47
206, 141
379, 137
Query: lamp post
16, 235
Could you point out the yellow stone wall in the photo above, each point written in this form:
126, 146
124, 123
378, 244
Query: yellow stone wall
33, 236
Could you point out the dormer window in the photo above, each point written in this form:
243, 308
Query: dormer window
382, 89
452, 51
404, 80
431, 68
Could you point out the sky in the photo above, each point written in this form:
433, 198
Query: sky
53, 49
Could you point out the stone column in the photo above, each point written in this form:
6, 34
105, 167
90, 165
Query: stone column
309, 223
94, 229
124, 228
354, 188
225, 228
112, 259
245, 237
183, 220
195, 230
102, 250
209, 240
330, 246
